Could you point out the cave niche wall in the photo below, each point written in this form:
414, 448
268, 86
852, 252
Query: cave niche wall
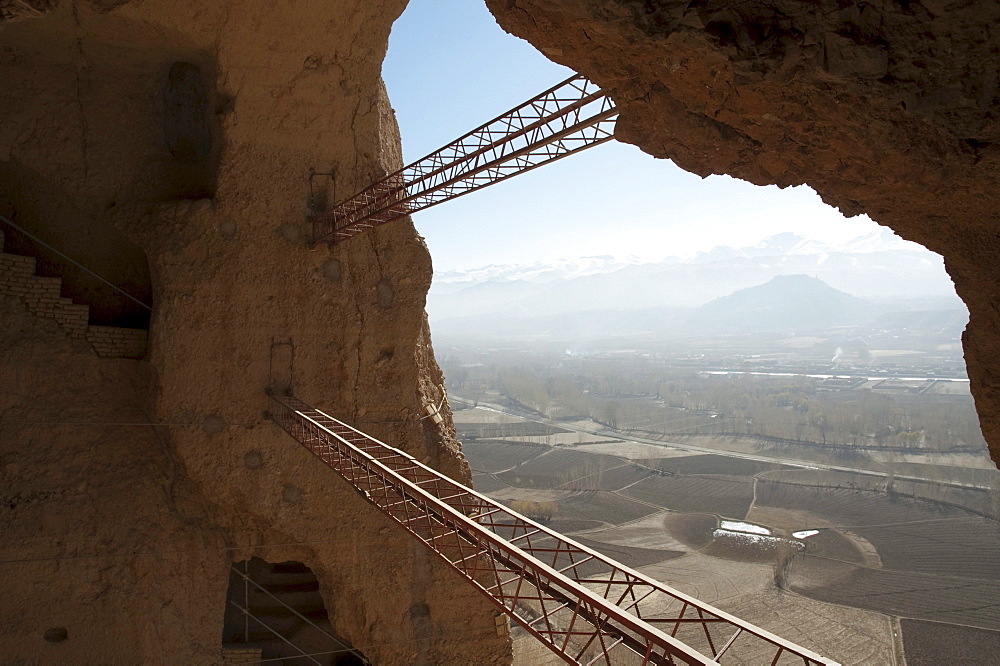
241, 304
887, 108
105, 536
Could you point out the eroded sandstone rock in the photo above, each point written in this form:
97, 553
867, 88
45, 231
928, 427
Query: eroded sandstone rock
192, 127
14, 10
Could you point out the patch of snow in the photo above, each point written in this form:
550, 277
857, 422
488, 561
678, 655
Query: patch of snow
882, 239
759, 539
542, 272
805, 533
738, 526
764, 541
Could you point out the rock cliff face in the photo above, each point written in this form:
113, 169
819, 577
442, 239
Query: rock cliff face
188, 130
887, 107
13, 10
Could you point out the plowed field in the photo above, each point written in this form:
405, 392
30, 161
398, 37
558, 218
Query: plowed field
497, 455
919, 596
725, 495
968, 547
847, 507
933, 644
603, 506
709, 464
486, 483
935, 566
558, 467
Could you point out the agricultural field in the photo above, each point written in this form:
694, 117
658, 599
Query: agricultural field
493, 456
834, 544
840, 565
630, 556
713, 464
617, 478
846, 507
941, 598
487, 483
933, 643
965, 547
632, 450
728, 496
605, 507
559, 468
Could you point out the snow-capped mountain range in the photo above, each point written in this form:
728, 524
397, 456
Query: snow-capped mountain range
784, 244
560, 269
877, 266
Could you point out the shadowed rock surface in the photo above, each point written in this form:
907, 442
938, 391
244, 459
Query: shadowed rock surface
180, 135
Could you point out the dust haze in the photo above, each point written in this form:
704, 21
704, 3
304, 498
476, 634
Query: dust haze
785, 431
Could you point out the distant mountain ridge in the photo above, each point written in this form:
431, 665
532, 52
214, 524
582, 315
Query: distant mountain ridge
535, 272
783, 244
785, 303
877, 266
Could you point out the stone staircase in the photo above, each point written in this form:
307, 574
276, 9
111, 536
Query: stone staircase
293, 584
291, 602
43, 298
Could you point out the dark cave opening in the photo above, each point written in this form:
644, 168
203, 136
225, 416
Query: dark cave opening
277, 608
52, 217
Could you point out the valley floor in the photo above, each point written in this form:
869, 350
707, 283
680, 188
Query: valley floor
873, 576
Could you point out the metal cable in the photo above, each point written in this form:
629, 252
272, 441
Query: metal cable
439, 636
129, 424
74, 262
161, 553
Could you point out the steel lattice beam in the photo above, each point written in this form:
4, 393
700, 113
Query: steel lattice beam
582, 605
563, 120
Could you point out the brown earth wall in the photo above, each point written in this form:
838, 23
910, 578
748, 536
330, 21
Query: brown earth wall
42, 296
190, 128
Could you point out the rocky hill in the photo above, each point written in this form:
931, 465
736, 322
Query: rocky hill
785, 303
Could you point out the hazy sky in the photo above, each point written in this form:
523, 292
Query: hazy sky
451, 68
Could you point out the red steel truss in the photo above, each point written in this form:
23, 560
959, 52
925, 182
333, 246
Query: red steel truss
563, 120
583, 606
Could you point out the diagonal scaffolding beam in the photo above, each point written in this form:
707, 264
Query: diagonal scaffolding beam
563, 120
583, 606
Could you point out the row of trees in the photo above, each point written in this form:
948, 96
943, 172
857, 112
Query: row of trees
540, 511
680, 402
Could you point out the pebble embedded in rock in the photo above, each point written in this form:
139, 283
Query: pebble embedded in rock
253, 460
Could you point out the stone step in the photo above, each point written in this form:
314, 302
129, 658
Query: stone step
283, 587
15, 264
42, 296
241, 654
276, 613
112, 342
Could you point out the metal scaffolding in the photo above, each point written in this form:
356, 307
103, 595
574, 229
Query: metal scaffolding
583, 606
563, 120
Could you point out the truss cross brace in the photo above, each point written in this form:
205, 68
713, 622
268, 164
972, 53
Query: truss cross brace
563, 120
583, 606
